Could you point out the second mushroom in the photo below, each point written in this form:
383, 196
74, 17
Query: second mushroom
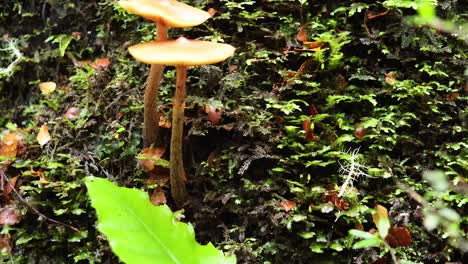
165, 13
181, 53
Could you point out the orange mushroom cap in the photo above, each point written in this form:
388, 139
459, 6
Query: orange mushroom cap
170, 12
181, 51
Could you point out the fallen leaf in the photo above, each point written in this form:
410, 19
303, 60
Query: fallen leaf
302, 35
288, 205
390, 78
8, 188
303, 68
380, 213
43, 136
40, 174
359, 226
101, 64
76, 34
399, 237
164, 122
8, 216
372, 15
158, 197
148, 157
159, 176
72, 113
308, 133
313, 44
5, 243
47, 87
211, 11
338, 202
313, 110
381, 221
360, 132
233, 68
452, 97
214, 114
81, 63
9, 145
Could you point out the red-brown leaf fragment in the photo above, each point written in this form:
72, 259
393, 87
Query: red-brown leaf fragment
308, 133
399, 237
302, 35
8, 188
313, 110
158, 197
214, 114
148, 157
5, 243
338, 202
101, 64
288, 205
372, 15
360, 132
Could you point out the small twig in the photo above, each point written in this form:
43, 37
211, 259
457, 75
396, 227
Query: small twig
416, 196
392, 253
12, 261
21, 199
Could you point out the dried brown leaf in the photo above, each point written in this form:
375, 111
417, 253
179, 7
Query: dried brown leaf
380, 213
39, 174
47, 87
360, 132
302, 35
399, 237
158, 197
101, 64
9, 145
214, 114
148, 156
43, 136
372, 15
288, 205
313, 44
390, 78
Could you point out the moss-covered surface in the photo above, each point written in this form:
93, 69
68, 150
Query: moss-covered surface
291, 119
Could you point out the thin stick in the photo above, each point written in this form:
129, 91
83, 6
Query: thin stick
178, 191
18, 195
151, 112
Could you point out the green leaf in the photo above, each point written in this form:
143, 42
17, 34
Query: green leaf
381, 221
437, 179
140, 232
371, 242
361, 234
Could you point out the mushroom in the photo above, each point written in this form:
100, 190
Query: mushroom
180, 53
166, 13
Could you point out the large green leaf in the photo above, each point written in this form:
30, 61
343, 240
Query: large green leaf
140, 232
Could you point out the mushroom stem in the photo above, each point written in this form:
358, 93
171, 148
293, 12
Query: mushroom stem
178, 191
151, 112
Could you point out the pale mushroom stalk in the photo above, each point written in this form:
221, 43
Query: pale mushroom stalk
151, 97
179, 193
